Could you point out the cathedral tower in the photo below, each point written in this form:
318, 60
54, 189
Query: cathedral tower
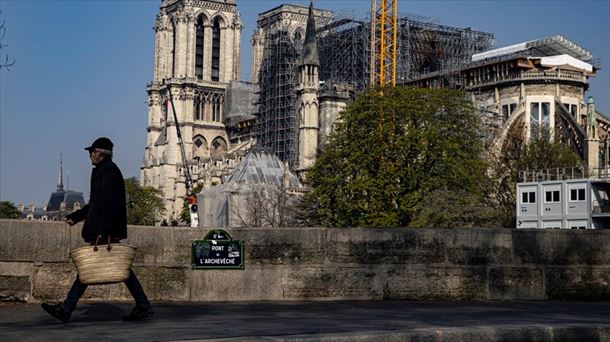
197, 52
307, 91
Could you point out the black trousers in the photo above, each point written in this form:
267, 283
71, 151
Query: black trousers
133, 284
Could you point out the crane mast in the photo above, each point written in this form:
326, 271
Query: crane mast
384, 41
188, 180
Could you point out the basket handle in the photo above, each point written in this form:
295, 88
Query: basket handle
109, 247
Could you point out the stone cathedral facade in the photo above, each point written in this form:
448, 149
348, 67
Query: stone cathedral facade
197, 56
196, 61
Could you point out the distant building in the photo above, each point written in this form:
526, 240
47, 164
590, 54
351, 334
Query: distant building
60, 203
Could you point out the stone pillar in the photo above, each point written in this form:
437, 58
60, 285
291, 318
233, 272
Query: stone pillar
592, 140
207, 52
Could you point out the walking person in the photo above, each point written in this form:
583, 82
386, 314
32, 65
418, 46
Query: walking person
105, 219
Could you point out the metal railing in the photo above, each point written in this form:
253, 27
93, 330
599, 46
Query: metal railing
563, 173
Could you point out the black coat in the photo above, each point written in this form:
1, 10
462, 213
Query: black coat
106, 213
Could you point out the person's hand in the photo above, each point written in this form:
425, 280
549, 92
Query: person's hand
70, 222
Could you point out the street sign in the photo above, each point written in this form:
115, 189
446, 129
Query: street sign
217, 251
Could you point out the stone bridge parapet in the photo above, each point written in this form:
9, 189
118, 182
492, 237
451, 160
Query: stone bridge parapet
324, 264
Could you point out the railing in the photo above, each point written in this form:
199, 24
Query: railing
563, 173
551, 174
564, 75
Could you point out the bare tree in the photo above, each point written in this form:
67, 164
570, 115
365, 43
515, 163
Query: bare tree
266, 207
7, 61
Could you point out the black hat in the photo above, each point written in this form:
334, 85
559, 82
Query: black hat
101, 143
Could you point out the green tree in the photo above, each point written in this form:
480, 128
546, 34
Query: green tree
543, 151
9, 211
451, 209
393, 147
144, 204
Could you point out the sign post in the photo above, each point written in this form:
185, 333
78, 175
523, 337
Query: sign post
217, 251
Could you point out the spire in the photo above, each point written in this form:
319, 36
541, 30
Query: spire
310, 46
60, 181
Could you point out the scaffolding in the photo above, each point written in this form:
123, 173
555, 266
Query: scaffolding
426, 47
277, 125
344, 47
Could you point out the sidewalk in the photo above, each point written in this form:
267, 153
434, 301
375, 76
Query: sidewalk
317, 321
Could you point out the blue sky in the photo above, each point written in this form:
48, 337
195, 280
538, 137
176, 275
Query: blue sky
82, 67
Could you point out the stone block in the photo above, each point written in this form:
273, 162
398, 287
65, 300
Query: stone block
169, 283
522, 334
14, 288
578, 283
569, 334
149, 243
24, 240
516, 283
173, 246
51, 281
332, 283
252, 284
16, 268
386, 246
479, 246
283, 246
421, 282
561, 247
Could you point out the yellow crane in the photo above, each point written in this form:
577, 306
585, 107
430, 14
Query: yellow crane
384, 29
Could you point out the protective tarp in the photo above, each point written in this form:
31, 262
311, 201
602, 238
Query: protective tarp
560, 60
221, 205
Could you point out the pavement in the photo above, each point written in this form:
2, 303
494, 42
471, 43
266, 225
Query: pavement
330, 321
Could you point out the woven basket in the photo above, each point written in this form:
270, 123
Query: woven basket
103, 266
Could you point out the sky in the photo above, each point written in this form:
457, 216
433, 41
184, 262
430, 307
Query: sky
81, 68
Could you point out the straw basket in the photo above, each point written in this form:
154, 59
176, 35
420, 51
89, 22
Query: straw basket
102, 265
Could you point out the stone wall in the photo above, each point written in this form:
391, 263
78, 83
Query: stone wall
324, 264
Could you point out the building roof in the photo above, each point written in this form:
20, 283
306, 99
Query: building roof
261, 167
549, 46
70, 198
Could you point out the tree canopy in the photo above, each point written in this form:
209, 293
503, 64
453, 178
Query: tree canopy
9, 211
391, 148
144, 204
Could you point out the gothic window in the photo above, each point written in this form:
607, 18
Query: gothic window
200, 147
198, 108
540, 113
216, 50
174, 51
508, 109
219, 147
199, 49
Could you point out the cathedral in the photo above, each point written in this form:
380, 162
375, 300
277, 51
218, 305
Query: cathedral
196, 64
308, 64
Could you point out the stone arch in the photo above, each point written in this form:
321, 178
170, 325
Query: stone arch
222, 20
202, 15
515, 117
218, 147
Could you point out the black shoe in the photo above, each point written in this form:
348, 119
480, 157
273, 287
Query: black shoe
138, 313
57, 311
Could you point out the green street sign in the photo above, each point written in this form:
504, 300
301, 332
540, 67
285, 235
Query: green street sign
217, 251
